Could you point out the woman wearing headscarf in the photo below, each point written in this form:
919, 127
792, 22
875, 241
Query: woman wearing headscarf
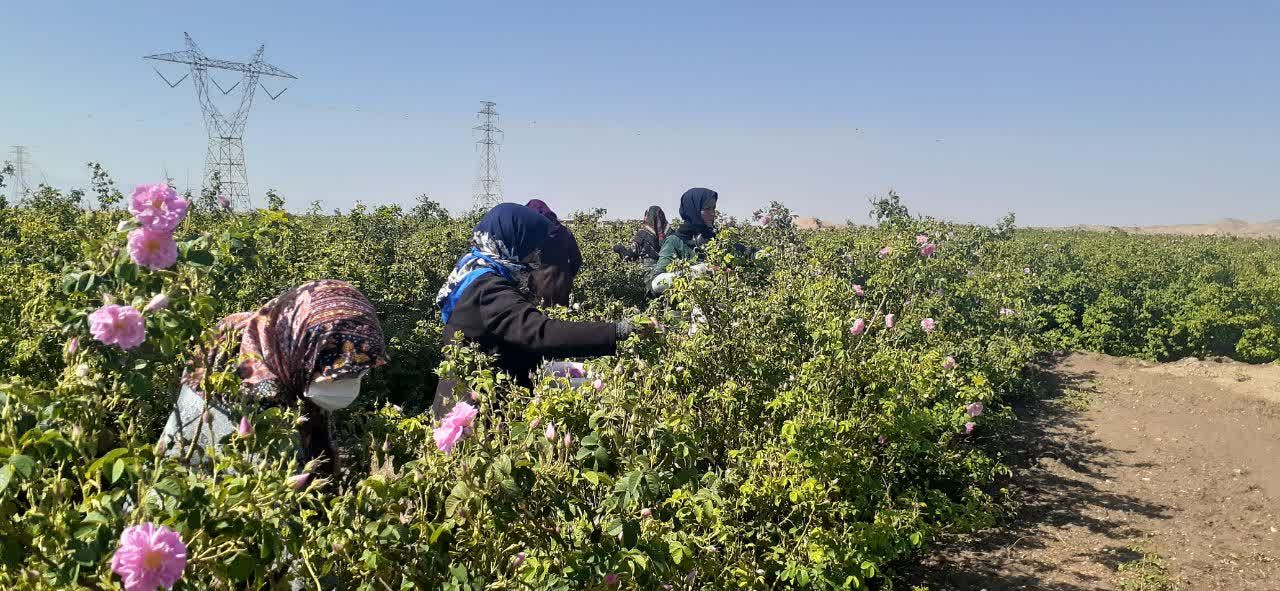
484, 302
561, 260
697, 227
647, 242
308, 348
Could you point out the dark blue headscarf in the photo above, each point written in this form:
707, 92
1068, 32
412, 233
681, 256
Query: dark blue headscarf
691, 205
508, 233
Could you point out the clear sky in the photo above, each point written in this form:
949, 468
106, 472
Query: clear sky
1120, 112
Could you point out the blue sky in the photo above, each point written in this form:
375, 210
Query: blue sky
1083, 112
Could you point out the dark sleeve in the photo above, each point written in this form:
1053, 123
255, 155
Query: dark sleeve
575, 256
639, 244
517, 323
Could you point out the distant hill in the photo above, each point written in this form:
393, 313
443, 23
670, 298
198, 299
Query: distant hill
1223, 227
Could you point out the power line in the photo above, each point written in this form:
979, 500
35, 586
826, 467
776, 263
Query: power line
21, 159
488, 182
225, 155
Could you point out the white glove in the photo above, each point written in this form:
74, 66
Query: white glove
661, 282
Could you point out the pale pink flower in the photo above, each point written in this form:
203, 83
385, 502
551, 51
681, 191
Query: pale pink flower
568, 439
519, 559
223, 202
949, 363
158, 207
598, 384
551, 432
1007, 312
764, 221
475, 396
455, 426
1026, 270
886, 251
298, 481
611, 580
928, 324
149, 557
246, 428
118, 325
646, 512
969, 427
975, 409
152, 248
888, 320
159, 302
859, 326
928, 250
858, 291
73, 345
921, 239
883, 440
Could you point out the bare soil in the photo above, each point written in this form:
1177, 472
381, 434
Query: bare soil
1180, 459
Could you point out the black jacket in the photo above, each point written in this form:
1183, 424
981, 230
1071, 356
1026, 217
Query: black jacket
494, 314
645, 245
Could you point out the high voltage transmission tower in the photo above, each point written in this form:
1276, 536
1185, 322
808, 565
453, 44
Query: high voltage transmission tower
21, 188
226, 130
488, 182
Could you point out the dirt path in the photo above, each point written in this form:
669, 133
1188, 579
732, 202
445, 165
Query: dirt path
1181, 460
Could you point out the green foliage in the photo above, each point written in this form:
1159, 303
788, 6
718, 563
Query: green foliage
1155, 297
747, 440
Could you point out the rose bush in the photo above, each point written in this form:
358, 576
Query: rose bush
793, 440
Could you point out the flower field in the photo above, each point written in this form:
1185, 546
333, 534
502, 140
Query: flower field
832, 405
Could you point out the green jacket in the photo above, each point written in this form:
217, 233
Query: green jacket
673, 248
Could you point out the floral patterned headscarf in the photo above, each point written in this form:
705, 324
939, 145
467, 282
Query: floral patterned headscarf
316, 332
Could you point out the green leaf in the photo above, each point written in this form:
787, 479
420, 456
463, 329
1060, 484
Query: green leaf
6, 474
117, 470
200, 258
23, 464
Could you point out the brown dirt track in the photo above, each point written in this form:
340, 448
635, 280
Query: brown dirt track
1179, 459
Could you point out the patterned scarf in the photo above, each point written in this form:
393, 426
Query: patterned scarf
504, 236
655, 221
316, 332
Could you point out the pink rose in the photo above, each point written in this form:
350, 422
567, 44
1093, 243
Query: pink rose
859, 326
152, 249
149, 557
456, 425
157, 303
158, 207
928, 324
118, 325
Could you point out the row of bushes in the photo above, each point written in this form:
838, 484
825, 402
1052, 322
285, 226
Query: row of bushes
781, 431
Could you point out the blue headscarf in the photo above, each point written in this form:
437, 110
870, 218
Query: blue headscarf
691, 205
508, 233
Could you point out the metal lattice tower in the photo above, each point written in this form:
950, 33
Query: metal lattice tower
226, 130
488, 182
20, 161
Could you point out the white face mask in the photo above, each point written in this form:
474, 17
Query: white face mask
334, 394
